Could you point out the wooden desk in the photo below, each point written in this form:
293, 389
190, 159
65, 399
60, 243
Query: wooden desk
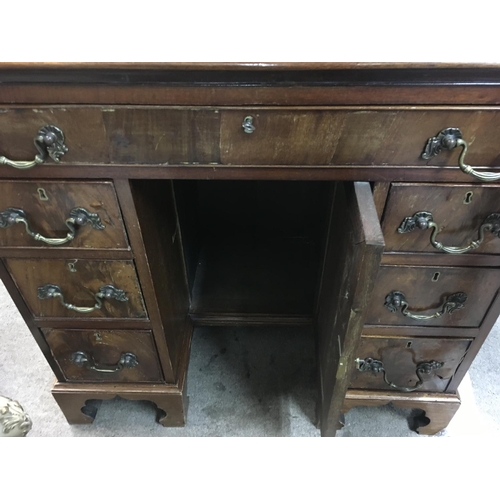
157, 197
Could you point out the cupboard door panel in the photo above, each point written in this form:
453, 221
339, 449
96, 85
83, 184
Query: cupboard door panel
354, 240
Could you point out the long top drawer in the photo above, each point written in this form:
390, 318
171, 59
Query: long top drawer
250, 136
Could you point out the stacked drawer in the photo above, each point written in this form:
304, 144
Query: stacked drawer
66, 249
436, 289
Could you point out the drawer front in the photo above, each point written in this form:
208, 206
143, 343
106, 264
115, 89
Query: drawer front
48, 205
458, 210
106, 356
427, 289
353, 137
161, 135
108, 135
400, 358
79, 281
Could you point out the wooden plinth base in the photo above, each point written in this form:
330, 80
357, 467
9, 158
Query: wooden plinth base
73, 399
438, 409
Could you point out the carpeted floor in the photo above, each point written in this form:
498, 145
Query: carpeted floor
241, 382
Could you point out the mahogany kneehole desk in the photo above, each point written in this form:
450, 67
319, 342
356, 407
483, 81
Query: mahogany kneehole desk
139, 201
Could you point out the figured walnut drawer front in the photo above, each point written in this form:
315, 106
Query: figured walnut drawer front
353, 137
427, 289
48, 205
401, 357
107, 135
165, 135
106, 356
79, 282
458, 210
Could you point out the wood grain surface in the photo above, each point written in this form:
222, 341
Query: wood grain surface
163, 135
459, 211
48, 211
104, 348
355, 137
437, 410
401, 356
110, 135
426, 289
79, 280
355, 239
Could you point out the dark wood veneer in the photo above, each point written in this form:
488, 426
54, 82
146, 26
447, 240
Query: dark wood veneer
202, 233
306, 95
48, 210
426, 289
245, 74
401, 356
104, 349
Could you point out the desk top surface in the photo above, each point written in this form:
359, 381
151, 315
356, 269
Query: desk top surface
250, 73
249, 66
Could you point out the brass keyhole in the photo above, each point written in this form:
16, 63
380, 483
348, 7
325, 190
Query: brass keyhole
71, 266
42, 194
468, 197
408, 345
97, 336
436, 276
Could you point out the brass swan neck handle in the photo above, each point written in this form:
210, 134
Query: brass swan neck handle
376, 366
397, 301
49, 143
127, 360
424, 220
77, 217
50, 291
450, 138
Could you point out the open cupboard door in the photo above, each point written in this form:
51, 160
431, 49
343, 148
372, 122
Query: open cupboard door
354, 246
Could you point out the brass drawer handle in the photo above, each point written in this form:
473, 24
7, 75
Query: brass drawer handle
396, 300
424, 220
50, 291
376, 366
127, 360
450, 138
49, 142
77, 217
248, 125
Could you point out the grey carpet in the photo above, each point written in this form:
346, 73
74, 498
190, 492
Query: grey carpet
241, 382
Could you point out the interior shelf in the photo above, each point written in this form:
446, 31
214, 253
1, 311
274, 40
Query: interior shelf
268, 276
252, 250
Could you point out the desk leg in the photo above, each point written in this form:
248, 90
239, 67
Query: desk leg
437, 409
77, 402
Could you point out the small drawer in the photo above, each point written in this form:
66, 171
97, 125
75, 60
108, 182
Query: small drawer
459, 211
349, 136
60, 214
409, 364
427, 291
59, 288
105, 356
114, 134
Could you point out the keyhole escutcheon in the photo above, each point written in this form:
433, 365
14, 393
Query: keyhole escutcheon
42, 194
468, 197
